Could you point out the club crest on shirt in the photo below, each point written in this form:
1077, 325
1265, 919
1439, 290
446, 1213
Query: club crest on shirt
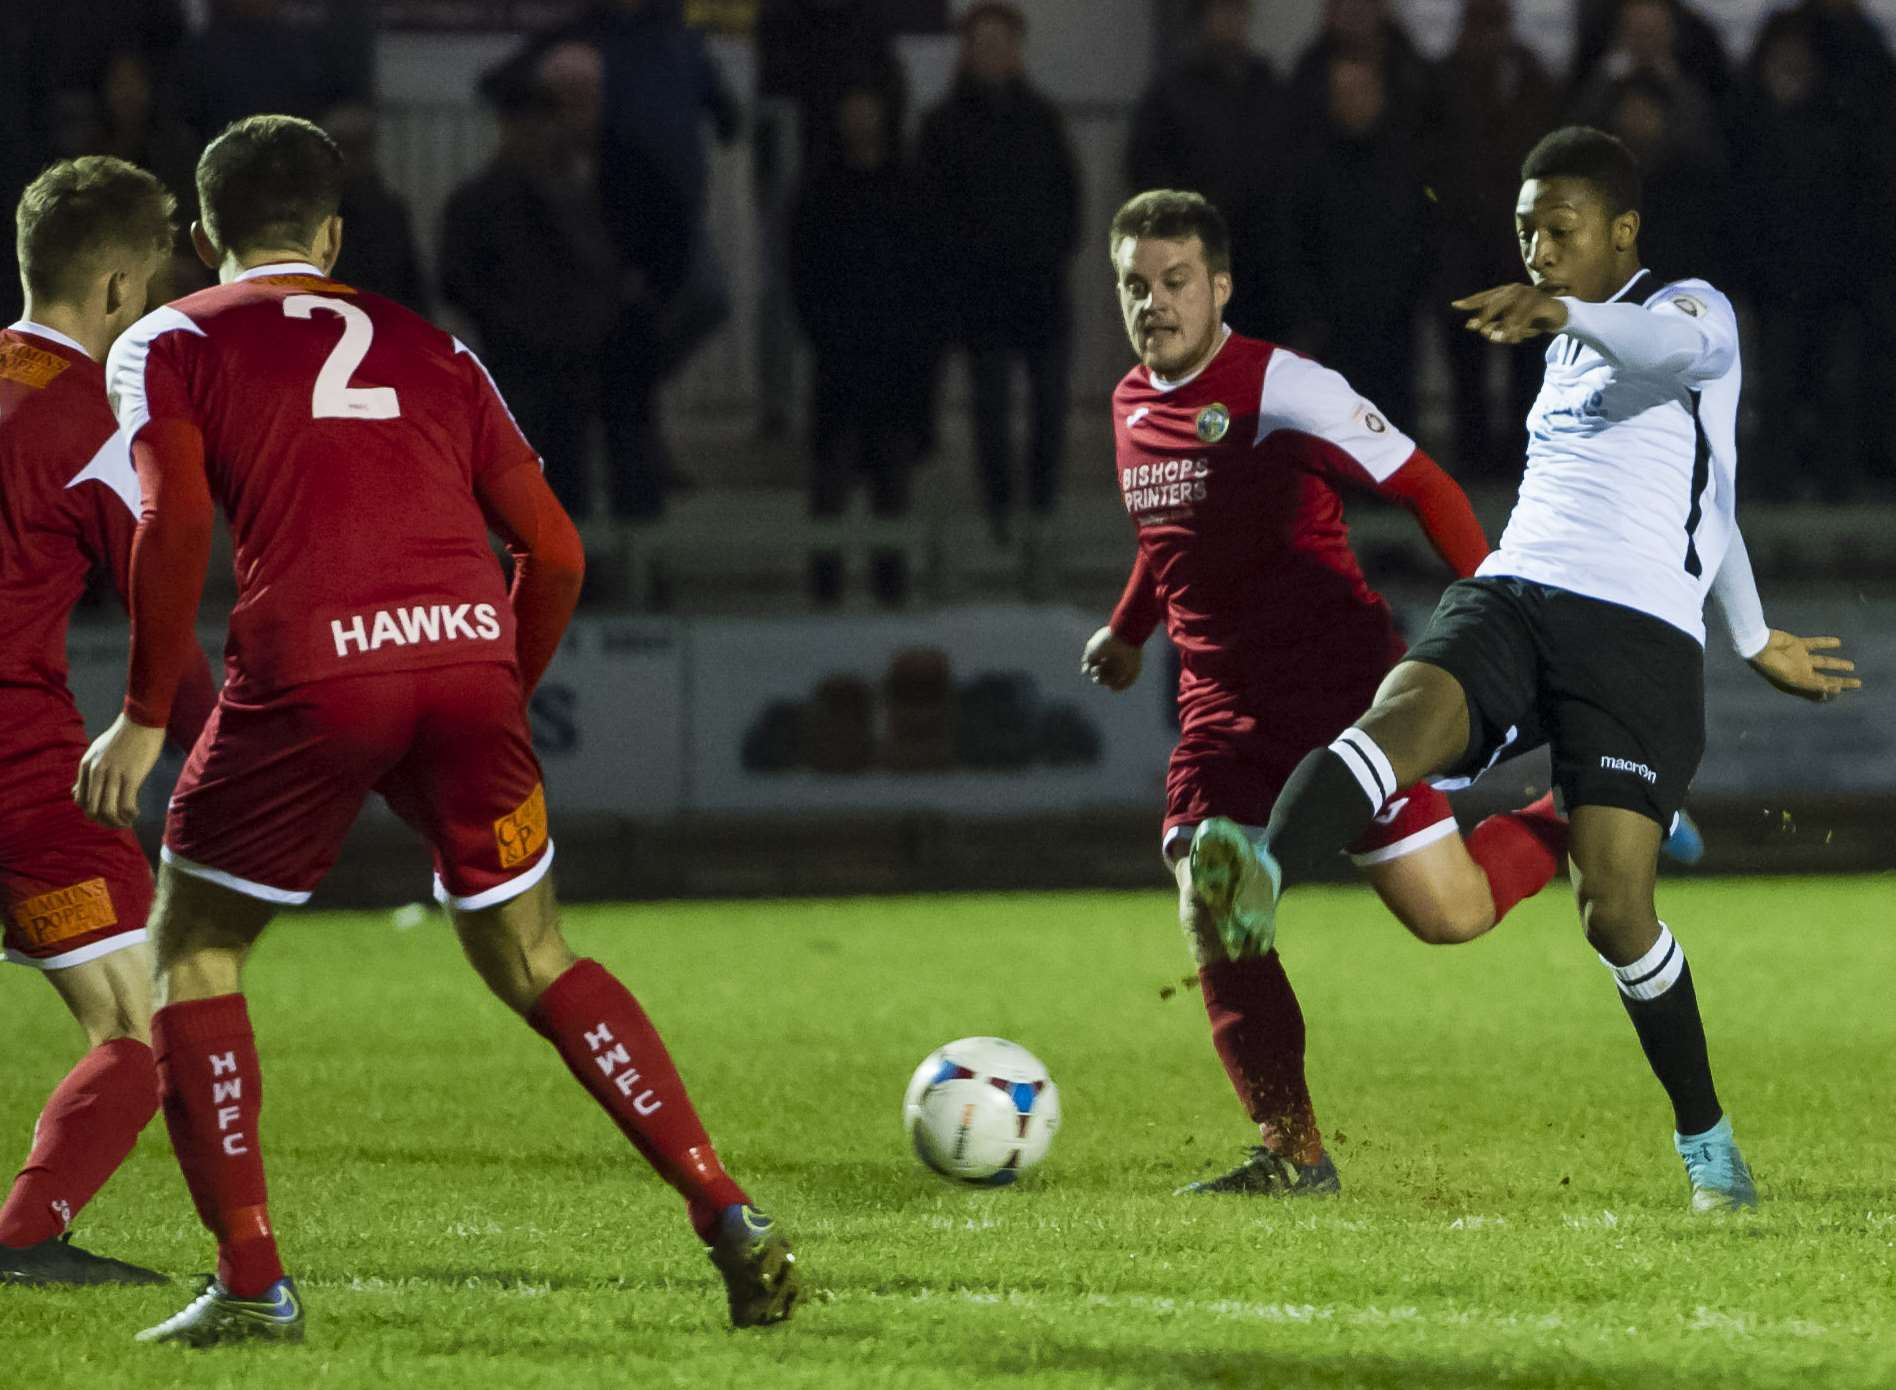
1687, 305
1212, 423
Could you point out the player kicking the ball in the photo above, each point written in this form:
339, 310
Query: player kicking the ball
361, 457
1585, 629
1231, 453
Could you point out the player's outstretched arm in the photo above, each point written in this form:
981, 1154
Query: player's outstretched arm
548, 559
1112, 657
1441, 508
171, 550
1512, 313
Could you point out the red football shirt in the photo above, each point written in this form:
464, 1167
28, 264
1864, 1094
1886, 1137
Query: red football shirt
1232, 477
68, 503
344, 437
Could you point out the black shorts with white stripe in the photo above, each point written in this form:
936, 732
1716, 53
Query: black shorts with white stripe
1619, 695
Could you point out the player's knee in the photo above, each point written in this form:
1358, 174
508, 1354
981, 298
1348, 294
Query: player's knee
1447, 922
1617, 917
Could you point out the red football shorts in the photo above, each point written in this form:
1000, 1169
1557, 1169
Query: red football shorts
271, 789
1213, 774
72, 890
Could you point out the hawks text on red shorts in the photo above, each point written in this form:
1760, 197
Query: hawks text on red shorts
407, 627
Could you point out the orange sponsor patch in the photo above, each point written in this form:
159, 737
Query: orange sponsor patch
65, 913
31, 365
520, 834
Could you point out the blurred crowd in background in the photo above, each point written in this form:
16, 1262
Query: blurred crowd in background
1363, 186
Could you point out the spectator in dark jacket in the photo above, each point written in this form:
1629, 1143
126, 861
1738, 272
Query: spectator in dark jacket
1368, 30
860, 274
1359, 230
1214, 123
1004, 189
380, 253
525, 253
1497, 100
1695, 43
657, 84
809, 53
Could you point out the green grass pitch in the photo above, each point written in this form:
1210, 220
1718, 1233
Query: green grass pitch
459, 1215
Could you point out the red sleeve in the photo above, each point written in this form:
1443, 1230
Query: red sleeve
549, 561
112, 532
1139, 608
169, 555
1442, 509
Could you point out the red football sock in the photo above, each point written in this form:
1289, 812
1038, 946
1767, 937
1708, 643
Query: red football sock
1519, 851
212, 1087
1259, 1033
90, 1123
615, 1052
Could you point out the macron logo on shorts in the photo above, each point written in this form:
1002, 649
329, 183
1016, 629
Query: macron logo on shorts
1628, 765
407, 627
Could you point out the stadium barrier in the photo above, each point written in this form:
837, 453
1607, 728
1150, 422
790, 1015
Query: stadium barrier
960, 748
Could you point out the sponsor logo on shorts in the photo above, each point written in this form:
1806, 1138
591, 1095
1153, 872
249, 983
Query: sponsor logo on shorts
408, 627
521, 833
1388, 814
1212, 423
65, 913
1612, 764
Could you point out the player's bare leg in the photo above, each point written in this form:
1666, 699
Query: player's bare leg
614, 1051
1438, 892
1614, 863
88, 1126
1456, 888
1257, 1029
212, 1089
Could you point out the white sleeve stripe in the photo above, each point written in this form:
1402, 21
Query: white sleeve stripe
125, 365
112, 465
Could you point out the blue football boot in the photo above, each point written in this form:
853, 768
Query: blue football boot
1683, 843
1720, 1179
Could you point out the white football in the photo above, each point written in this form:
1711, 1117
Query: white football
981, 1111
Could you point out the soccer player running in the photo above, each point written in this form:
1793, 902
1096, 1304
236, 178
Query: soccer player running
1231, 454
93, 234
361, 457
1585, 629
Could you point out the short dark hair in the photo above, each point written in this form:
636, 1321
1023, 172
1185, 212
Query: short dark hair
1581, 152
78, 212
1007, 14
268, 182
1173, 214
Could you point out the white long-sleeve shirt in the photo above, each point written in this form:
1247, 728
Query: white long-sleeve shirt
1632, 461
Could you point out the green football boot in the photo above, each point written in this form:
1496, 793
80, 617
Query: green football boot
1238, 883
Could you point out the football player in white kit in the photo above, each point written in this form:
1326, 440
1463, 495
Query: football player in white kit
1584, 630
